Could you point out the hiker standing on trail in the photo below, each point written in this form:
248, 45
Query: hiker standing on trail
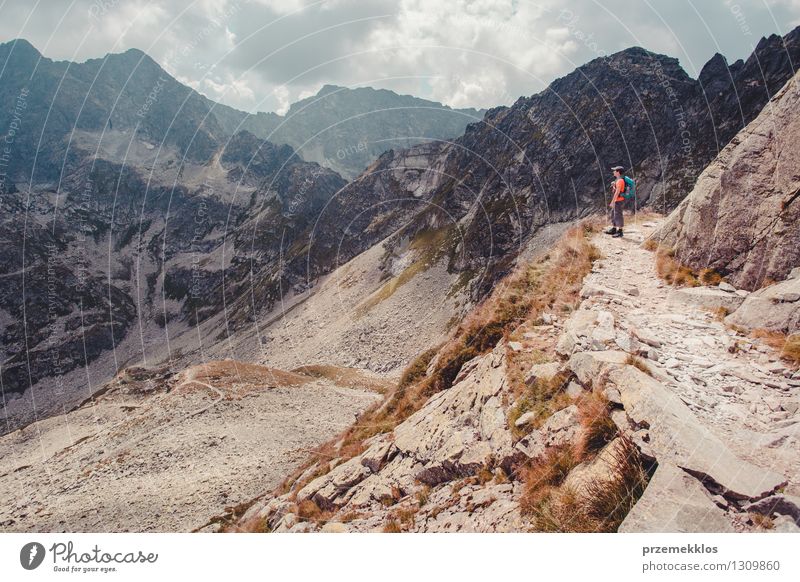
618, 196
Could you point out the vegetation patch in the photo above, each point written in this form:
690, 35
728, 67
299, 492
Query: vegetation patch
600, 506
544, 397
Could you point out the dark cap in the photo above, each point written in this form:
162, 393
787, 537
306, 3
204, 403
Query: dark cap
620, 168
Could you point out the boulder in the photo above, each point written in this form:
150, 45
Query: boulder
543, 371
675, 502
704, 297
588, 366
579, 325
776, 307
676, 436
325, 489
460, 429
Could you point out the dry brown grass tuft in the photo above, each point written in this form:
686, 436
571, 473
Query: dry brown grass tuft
671, 271
709, 277
650, 245
720, 313
543, 475
597, 428
600, 507
604, 504
787, 346
417, 368
774, 339
638, 363
762, 521
791, 349
392, 526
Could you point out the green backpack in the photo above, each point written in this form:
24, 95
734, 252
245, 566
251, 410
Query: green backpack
630, 188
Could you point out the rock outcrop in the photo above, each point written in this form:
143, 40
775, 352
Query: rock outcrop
742, 218
776, 307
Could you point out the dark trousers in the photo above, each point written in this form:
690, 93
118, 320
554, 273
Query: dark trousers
616, 214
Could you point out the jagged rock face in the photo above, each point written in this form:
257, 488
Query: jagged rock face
743, 217
118, 247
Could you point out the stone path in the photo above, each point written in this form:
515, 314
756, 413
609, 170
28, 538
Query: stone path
736, 386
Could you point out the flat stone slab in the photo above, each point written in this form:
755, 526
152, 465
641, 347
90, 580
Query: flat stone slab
675, 502
708, 297
677, 436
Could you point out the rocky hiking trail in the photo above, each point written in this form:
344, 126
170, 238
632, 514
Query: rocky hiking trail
710, 412
733, 386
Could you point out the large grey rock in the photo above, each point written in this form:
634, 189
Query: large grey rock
743, 216
675, 502
578, 326
460, 429
588, 366
542, 371
776, 307
707, 297
678, 437
325, 489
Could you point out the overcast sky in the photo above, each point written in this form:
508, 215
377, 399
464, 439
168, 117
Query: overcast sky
260, 55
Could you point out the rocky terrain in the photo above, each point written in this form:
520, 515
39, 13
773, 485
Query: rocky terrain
712, 430
180, 294
153, 227
742, 219
165, 451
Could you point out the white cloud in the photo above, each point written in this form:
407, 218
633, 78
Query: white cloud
264, 54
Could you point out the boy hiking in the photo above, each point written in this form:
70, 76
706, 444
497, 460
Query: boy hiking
621, 190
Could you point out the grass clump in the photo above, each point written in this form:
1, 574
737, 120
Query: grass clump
788, 346
709, 277
791, 349
597, 428
544, 397
762, 521
638, 363
417, 368
392, 526
600, 505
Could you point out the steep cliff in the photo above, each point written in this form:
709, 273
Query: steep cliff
742, 218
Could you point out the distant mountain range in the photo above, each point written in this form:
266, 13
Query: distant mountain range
346, 129
342, 129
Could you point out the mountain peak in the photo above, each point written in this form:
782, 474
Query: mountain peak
19, 48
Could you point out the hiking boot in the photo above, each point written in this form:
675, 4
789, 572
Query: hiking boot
617, 234
612, 230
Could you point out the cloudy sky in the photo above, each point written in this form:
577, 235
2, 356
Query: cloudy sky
260, 55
